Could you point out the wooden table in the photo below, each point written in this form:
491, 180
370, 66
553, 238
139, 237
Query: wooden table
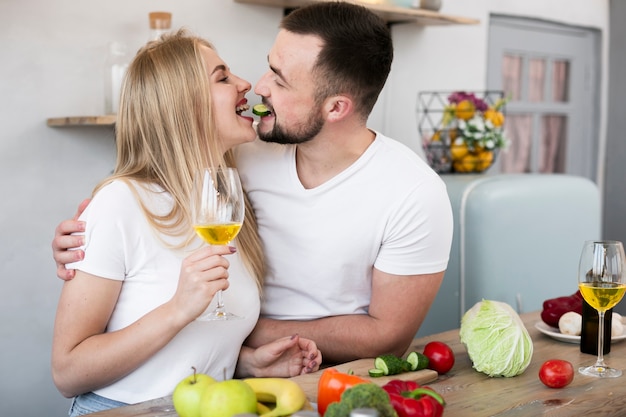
470, 393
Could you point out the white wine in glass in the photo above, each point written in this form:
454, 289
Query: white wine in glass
602, 283
218, 210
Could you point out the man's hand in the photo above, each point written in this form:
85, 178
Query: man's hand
64, 240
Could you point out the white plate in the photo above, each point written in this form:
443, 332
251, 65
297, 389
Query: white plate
554, 333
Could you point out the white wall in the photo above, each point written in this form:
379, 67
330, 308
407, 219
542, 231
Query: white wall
52, 55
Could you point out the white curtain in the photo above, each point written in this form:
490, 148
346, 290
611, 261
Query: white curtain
550, 146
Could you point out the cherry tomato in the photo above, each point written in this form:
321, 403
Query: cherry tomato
440, 357
556, 373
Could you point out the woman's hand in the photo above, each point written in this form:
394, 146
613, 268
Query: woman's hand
285, 357
202, 274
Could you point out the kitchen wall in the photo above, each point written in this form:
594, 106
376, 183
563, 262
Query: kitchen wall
52, 56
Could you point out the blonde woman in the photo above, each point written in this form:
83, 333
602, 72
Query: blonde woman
125, 329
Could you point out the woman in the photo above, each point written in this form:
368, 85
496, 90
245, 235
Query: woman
125, 329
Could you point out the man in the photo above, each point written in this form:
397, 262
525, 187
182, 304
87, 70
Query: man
356, 227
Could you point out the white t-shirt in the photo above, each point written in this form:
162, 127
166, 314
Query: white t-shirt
121, 245
388, 210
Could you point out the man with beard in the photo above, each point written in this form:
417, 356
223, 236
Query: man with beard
356, 227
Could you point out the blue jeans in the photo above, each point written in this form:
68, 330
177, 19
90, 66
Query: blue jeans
90, 403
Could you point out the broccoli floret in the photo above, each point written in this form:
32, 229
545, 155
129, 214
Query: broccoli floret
337, 409
362, 396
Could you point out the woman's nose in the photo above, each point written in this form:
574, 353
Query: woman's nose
244, 86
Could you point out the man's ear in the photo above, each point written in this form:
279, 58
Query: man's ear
337, 108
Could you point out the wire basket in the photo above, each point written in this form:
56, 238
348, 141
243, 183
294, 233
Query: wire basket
446, 148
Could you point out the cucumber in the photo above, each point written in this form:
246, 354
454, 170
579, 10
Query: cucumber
260, 110
391, 364
375, 372
418, 361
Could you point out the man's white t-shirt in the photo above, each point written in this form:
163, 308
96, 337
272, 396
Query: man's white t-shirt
121, 245
388, 210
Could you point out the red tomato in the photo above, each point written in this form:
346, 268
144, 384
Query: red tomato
440, 357
556, 373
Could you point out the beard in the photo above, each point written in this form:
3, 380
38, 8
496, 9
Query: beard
300, 134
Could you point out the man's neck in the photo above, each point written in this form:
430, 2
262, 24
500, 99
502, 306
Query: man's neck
327, 155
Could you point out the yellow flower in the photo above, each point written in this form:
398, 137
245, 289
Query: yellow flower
458, 150
496, 117
465, 110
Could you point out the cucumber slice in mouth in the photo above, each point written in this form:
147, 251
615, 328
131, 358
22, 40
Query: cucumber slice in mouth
260, 110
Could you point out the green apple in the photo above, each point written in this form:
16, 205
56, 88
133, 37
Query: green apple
227, 398
188, 393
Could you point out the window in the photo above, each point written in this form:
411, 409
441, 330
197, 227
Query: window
548, 72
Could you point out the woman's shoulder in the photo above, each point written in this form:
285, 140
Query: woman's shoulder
115, 196
115, 190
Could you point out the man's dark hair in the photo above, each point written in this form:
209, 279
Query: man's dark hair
356, 54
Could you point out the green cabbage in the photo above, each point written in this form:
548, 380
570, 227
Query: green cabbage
496, 340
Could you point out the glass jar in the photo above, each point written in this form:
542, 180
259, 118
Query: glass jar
160, 22
114, 72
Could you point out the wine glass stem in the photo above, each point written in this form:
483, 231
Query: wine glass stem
220, 303
600, 360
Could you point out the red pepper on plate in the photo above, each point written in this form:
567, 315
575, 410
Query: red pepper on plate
332, 384
554, 308
409, 399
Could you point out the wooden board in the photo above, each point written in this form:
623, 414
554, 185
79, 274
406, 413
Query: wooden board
104, 120
389, 12
360, 367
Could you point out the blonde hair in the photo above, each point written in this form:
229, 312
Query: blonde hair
165, 131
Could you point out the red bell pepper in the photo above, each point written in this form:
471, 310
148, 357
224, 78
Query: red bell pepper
409, 399
554, 308
332, 384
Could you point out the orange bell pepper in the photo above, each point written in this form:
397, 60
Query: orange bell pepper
332, 384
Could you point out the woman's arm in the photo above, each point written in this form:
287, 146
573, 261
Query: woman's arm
85, 358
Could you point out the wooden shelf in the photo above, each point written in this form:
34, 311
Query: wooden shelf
105, 120
392, 14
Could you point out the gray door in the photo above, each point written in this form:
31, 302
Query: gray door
550, 72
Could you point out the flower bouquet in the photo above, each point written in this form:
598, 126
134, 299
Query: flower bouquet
462, 131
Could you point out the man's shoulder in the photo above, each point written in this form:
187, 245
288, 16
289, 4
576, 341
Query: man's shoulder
404, 158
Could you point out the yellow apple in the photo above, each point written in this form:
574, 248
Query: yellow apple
188, 393
227, 398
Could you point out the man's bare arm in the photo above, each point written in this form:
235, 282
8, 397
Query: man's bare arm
64, 240
398, 307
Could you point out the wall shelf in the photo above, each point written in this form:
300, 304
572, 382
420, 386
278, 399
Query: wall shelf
392, 14
104, 120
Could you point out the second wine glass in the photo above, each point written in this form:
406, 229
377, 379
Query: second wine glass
602, 283
218, 210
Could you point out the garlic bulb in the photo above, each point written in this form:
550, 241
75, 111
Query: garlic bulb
571, 323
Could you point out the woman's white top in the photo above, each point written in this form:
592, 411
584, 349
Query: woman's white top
121, 245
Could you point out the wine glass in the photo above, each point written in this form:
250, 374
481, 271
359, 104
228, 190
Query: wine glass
602, 283
218, 207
